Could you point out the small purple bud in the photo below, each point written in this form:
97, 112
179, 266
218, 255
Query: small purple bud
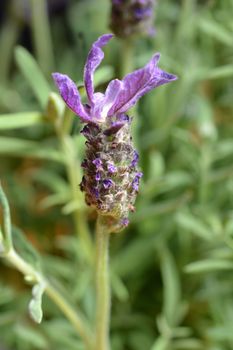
98, 176
107, 183
138, 175
98, 163
112, 168
125, 222
135, 159
135, 183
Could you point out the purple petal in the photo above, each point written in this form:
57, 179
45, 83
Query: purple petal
107, 101
94, 58
69, 92
138, 83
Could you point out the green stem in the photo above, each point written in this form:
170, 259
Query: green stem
103, 293
127, 63
127, 66
77, 320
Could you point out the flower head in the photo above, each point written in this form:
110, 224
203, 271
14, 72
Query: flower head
132, 17
111, 175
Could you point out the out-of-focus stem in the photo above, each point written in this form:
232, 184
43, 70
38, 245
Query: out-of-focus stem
127, 60
127, 66
103, 293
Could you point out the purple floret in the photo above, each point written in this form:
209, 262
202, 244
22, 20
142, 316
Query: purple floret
135, 159
112, 168
135, 183
98, 163
98, 176
125, 222
107, 183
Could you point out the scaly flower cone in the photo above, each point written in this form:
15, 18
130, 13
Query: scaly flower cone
111, 176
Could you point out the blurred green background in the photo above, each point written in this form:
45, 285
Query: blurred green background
171, 270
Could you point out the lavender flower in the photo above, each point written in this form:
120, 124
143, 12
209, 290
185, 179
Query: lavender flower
132, 17
111, 176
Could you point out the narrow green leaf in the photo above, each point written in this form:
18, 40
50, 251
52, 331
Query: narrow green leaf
187, 344
188, 222
215, 30
208, 265
163, 207
33, 75
119, 288
223, 149
42, 40
30, 336
16, 147
171, 284
20, 120
215, 73
161, 344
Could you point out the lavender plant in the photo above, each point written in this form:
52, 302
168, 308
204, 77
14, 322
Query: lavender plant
171, 274
111, 175
110, 182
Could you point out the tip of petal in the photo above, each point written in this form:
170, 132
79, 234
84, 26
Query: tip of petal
168, 76
103, 39
58, 78
155, 59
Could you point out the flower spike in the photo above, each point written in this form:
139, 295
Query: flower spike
111, 175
